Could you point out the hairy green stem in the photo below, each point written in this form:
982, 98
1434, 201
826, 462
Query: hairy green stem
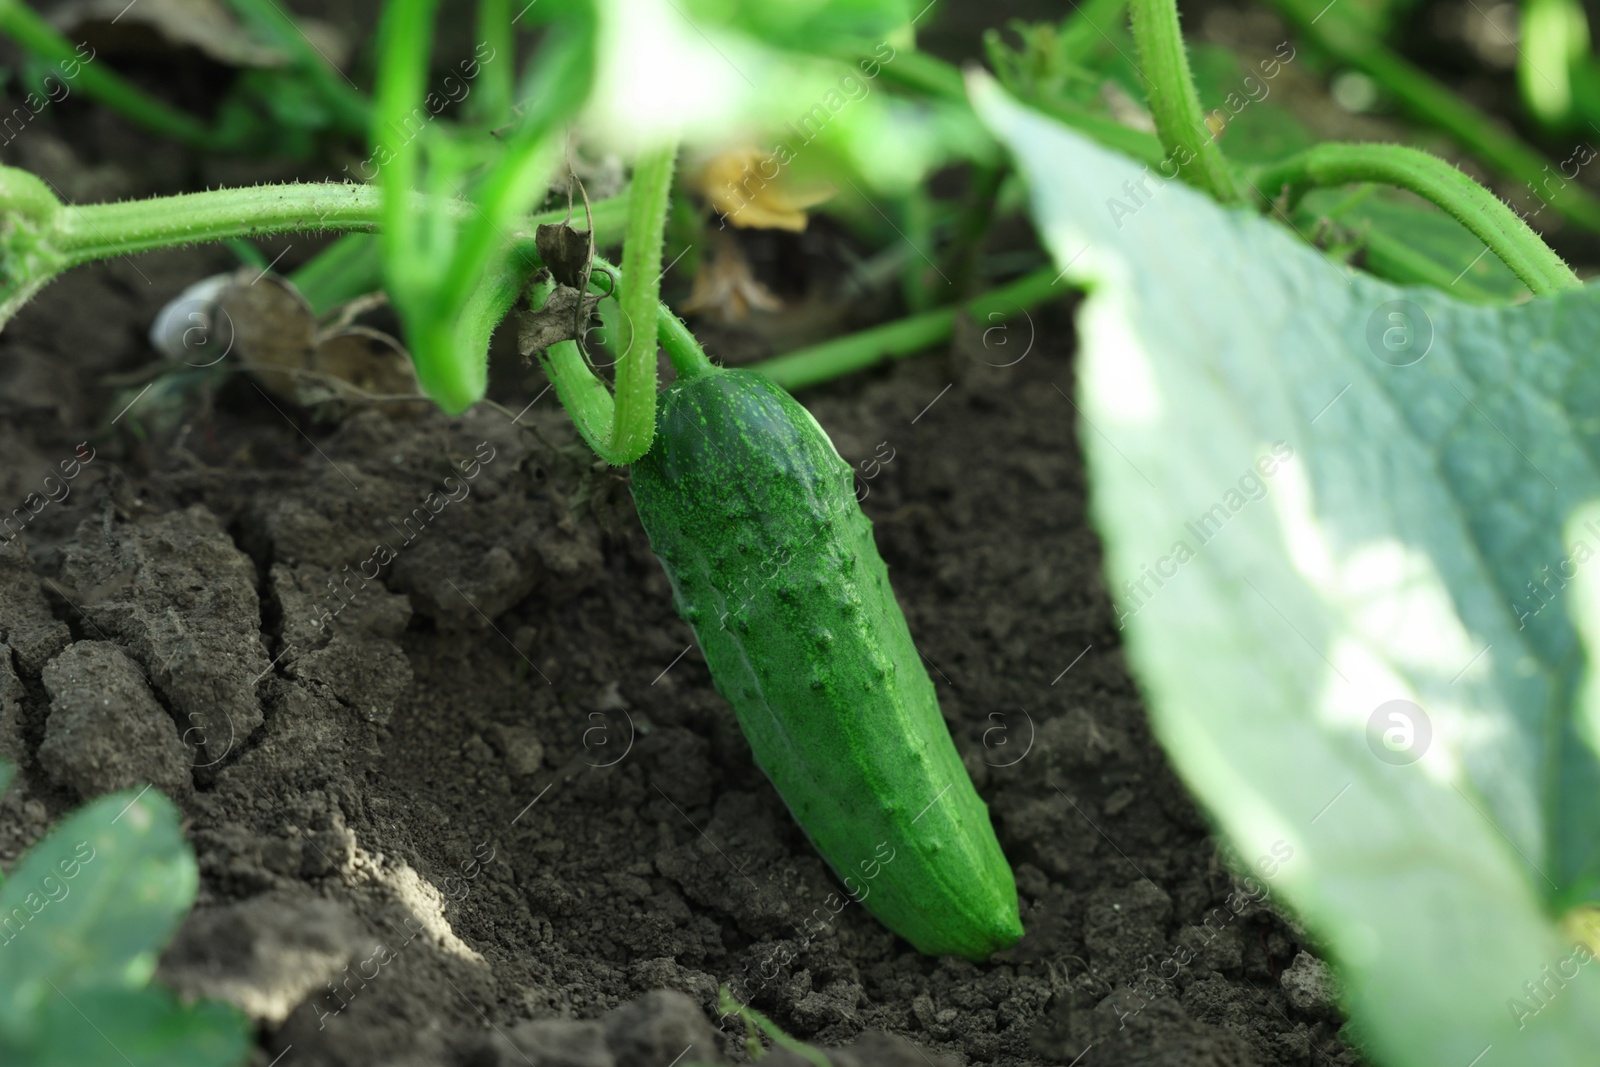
584, 394
1432, 102
681, 346
1174, 103
687, 357
635, 424
100, 231
52, 237
1430, 177
858, 351
490, 102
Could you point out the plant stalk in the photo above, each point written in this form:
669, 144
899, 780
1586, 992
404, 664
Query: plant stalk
635, 425
858, 351
1476, 208
687, 357
1434, 103
99, 231
1174, 103
584, 394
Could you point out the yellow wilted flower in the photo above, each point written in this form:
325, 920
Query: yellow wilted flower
724, 287
748, 187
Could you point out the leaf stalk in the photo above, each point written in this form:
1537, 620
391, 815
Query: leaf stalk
1435, 180
1174, 102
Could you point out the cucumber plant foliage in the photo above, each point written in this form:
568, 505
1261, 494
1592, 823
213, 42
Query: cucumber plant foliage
1327, 502
83, 916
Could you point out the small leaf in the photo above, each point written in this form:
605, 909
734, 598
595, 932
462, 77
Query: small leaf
92, 903
566, 252
557, 320
143, 1027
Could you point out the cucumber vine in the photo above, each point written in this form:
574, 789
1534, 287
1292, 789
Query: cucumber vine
1175, 105
1174, 101
1430, 177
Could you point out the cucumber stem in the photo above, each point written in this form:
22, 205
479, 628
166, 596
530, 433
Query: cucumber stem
585, 396
858, 351
1174, 103
99, 231
688, 358
1430, 177
635, 424
1432, 102
88, 232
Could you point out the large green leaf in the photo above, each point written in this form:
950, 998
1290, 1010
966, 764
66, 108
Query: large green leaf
92, 904
1419, 460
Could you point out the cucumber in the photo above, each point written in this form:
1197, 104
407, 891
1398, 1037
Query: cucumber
751, 511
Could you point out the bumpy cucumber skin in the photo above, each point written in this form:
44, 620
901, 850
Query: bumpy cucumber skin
752, 513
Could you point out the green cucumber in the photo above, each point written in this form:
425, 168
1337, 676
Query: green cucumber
751, 511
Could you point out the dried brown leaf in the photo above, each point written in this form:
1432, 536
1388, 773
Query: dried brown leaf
558, 320
565, 252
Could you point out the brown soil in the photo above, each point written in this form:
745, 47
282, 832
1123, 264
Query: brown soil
493, 791
486, 808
